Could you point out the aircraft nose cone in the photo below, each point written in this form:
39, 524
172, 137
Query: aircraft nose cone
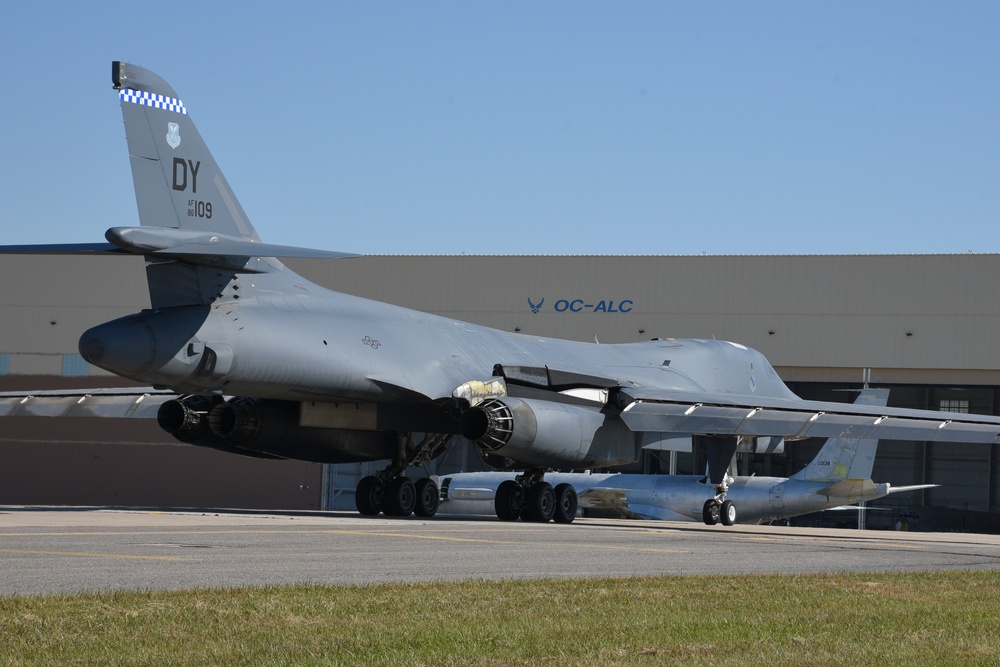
91, 347
124, 347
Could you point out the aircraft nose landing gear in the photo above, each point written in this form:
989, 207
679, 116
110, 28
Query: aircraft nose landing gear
720, 452
714, 512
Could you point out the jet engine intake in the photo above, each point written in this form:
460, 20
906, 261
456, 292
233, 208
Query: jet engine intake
548, 434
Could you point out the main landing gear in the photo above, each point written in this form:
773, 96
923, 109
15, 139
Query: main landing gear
400, 496
531, 498
389, 492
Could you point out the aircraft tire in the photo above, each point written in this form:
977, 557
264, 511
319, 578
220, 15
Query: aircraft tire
710, 513
400, 497
566, 504
428, 497
540, 504
509, 500
728, 513
369, 496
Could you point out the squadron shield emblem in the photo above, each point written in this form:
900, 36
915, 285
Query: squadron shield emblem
173, 135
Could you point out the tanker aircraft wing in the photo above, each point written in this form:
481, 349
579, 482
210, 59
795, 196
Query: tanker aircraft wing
265, 363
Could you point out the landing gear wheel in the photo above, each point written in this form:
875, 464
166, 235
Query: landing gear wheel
427, 497
509, 500
566, 503
400, 497
540, 505
710, 513
369, 497
728, 513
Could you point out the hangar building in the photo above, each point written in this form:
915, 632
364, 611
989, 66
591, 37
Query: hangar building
923, 324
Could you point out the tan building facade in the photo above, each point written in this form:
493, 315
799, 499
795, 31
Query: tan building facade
923, 324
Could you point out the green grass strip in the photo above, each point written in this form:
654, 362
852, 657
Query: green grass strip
949, 618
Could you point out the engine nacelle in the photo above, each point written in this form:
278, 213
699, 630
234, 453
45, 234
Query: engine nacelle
270, 426
548, 434
186, 418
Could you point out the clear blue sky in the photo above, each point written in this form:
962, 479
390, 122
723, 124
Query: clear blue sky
528, 127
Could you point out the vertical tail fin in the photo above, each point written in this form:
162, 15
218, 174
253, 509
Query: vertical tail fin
194, 235
846, 458
177, 181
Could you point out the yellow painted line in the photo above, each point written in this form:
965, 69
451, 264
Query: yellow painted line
856, 542
562, 545
101, 533
386, 530
318, 531
90, 555
371, 532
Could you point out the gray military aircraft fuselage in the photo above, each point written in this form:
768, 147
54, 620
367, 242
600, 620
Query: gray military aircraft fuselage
409, 366
268, 364
326, 345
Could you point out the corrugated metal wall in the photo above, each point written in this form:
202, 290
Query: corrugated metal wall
820, 319
833, 312
128, 462
825, 312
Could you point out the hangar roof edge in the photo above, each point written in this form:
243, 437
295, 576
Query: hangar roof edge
723, 255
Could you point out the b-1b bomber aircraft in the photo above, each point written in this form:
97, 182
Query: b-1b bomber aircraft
247, 357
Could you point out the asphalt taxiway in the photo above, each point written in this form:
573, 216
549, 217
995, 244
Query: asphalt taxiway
59, 551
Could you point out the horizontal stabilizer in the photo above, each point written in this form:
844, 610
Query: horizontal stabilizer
850, 488
234, 248
914, 487
172, 241
62, 249
248, 249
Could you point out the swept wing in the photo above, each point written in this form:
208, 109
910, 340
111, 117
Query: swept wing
671, 411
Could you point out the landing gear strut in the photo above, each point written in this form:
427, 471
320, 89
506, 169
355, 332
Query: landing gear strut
719, 452
531, 498
391, 493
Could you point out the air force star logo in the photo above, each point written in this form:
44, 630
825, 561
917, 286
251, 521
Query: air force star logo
535, 307
173, 135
